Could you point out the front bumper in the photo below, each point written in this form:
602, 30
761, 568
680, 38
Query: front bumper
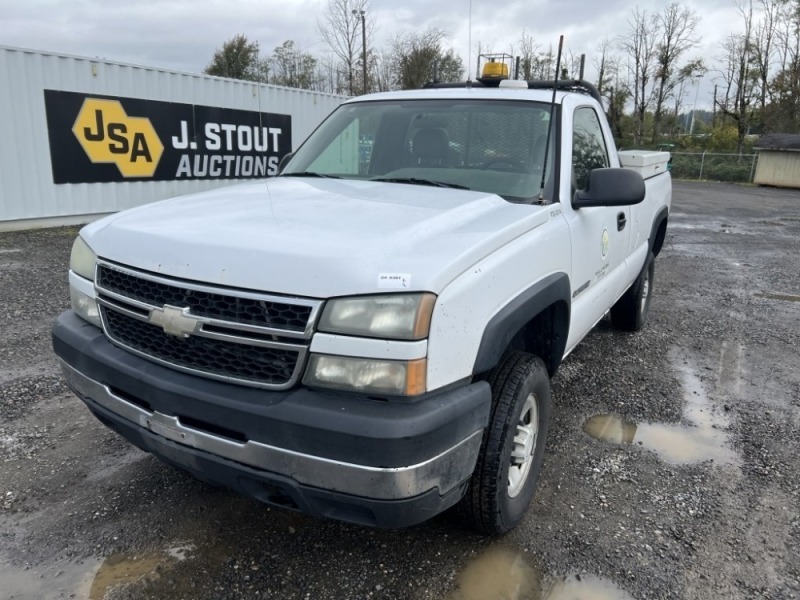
387, 463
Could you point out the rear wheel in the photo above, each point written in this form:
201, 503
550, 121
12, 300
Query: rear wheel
630, 311
512, 450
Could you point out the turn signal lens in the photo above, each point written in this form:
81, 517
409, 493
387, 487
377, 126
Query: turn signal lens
392, 377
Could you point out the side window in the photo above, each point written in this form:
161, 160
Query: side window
588, 147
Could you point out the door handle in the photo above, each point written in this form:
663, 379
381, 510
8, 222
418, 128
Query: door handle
621, 221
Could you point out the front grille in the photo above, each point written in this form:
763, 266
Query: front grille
211, 356
245, 337
204, 303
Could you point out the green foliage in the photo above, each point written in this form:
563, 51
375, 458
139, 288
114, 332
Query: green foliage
782, 115
730, 167
723, 138
418, 55
237, 59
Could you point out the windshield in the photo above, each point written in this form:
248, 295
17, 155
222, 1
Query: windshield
495, 146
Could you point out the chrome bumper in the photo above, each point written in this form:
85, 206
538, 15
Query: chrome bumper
444, 472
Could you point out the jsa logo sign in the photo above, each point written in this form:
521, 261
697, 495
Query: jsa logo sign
104, 139
108, 135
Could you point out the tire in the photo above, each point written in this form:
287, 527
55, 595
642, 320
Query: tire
630, 311
499, 492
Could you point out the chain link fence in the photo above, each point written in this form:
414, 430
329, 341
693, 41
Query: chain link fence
714, 166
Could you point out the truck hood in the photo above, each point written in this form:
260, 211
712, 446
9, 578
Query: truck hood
315, 237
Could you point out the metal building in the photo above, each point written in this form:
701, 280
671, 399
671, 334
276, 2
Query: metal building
778, 160
83, 137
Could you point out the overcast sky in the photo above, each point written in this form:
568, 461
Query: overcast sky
183, 34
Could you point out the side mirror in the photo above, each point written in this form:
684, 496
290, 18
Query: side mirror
611, 187
286, 158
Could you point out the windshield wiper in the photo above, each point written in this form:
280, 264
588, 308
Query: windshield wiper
309, 174
418, 181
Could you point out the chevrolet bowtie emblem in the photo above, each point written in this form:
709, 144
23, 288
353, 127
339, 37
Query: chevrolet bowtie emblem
175, 321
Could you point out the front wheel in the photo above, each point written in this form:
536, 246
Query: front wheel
631, 310
512, 450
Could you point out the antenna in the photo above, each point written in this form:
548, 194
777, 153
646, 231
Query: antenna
469, 48
550, 122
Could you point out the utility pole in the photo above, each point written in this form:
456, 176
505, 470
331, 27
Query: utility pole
714, 114
362, 14
694, 108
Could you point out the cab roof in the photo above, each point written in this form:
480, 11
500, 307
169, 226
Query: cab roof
538, 91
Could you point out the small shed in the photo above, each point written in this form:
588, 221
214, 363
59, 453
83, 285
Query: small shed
778, 160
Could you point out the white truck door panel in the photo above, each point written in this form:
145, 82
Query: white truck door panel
600, 235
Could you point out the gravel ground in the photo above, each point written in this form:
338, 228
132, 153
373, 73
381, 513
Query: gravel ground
703, 504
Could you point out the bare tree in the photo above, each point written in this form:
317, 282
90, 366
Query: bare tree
763, 43
676, 26
382, 74
527, 55
544, 64
571, 65
788, 31
690, 73
782, 114
741, 79
480, 48
640, 46
341, 30
327, 76
292, 67
604, 63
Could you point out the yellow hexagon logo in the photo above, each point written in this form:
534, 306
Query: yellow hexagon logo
108, 135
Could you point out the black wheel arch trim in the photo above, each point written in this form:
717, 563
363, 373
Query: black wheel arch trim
654, 242
512, 317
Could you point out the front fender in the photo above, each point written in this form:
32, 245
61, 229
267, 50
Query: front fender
512, 317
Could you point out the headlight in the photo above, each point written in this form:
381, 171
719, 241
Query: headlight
393, 316
394, 377
82, 259
81, 282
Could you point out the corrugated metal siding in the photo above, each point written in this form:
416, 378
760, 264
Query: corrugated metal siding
27, 190
781, 169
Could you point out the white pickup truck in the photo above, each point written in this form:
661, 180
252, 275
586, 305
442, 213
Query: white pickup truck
370, 335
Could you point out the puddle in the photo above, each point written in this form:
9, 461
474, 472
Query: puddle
611, 429
62, 579
181, 552
88, 579
784, 297
122, 568
690, 226
502, 574
498, 573
675, 444
587, 587
705, 439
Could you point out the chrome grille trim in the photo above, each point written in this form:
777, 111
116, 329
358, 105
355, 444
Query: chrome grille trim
314, 305
225, 331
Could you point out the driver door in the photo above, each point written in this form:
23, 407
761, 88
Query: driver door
599, 235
